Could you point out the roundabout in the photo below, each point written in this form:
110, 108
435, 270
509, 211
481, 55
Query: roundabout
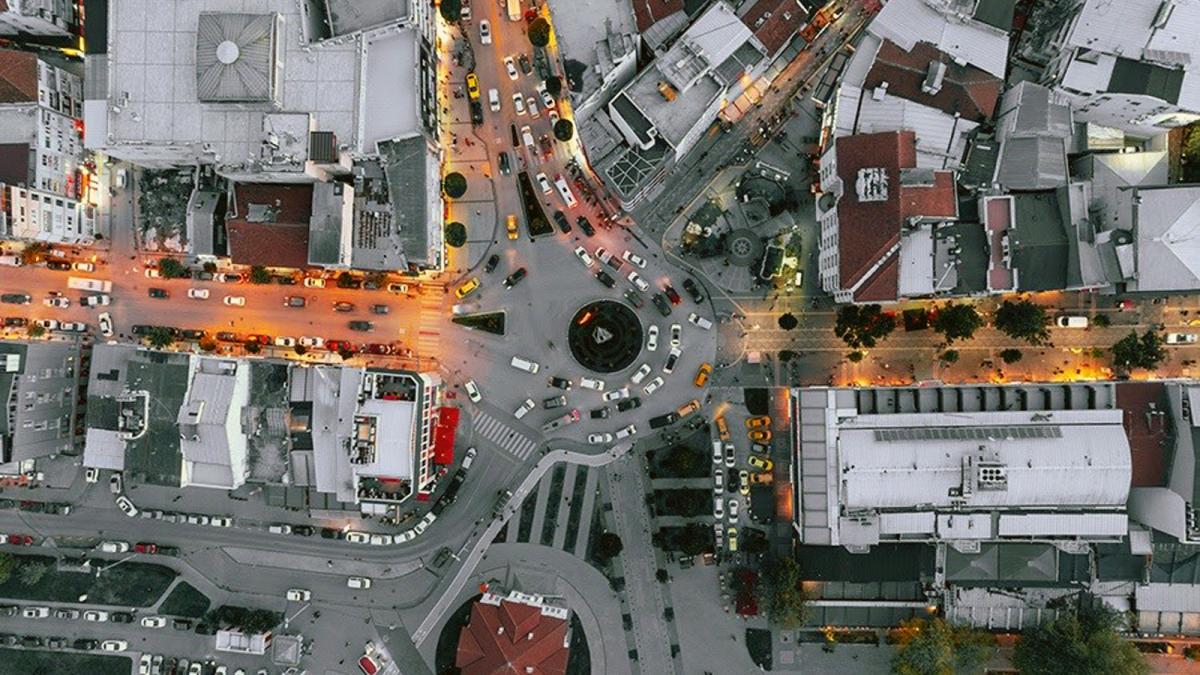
605, 336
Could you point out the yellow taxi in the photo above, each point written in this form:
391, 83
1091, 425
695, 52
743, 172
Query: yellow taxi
702, 374
760, 435
722, 428
688, 408
511, 226
473, 86
757, 422
761, 463
466, 289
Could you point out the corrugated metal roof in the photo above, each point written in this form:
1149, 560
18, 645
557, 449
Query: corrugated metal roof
236, 57
1064, 524
907, 22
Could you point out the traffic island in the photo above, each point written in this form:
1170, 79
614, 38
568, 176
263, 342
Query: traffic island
605, 336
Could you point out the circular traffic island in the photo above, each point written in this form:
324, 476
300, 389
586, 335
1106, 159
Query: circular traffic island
605, 336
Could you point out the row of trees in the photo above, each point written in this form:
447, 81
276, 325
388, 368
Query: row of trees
28, 572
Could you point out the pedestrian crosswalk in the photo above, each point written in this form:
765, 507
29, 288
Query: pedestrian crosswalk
428, 342
512, 442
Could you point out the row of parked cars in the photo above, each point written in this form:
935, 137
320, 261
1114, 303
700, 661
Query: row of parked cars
56, 643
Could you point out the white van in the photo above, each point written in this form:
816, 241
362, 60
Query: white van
525, 365
564, 191
10, 260
494, 100
1067, 321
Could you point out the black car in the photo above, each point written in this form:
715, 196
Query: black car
585, 225
634, 298
293, 301
16, 298
201, 275
505, 167
15, 322
31, 641
625, 405
361, 325
159, 293
476, 112
303, 530
121, 617
526, 66
380, 309
660, 301
233, 278
600, 413
9, 610
284, 280
552, 402
8, 639
563, 224
560, 383
85, 645
515, 278
492, 261
193, 334
141, 329
515, 138
181, 624
606, 279
226, 336
693, 289
58, 266
664, 420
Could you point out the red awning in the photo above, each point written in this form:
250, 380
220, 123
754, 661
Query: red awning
443, 438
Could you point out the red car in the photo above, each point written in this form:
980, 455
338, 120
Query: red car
672, 294
145, 547
20, 540
377, 348
260, 339
340, 346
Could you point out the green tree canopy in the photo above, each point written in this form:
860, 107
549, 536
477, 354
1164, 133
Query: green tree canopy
855, 356
31, 573
957, 322
781, 591
451, 10
1132, 352
564, 130
7, 564
608, 546
1011, 356
1023, 320
36, 330
454, 185
1084, 642
935, 647
259, 275
160, 337
863, 325
253, 347
539, 32
950, 356
788, 321
173, 269
554, 85
34, 252
456, 234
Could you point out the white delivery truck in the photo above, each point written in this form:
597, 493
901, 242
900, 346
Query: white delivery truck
93, 285
514, 10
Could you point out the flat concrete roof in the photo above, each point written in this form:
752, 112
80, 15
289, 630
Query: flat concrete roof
389, 110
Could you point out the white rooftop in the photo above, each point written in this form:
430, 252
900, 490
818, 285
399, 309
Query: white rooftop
390, 109
1166, 227
1137, 29
907, 22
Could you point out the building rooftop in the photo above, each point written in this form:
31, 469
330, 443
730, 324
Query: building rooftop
272, 223
649, 12
774, 22
389, 111
237, 57
505, 636
18, 76
908, 22
45, 372
351, 16
1163, 222
927, 75
394, 226
1034, 129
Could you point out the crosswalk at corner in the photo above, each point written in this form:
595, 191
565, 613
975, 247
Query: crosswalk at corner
513, 442
429, 327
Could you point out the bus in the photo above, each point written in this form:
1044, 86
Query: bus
93, 285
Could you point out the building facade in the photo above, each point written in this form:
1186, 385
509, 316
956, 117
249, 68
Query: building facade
40, 384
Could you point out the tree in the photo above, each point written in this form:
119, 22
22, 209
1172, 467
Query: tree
663, 576
36, 330
935, 647
950, 356
207, 344
608, 546
454, 185
554, 85
31, 573
7, 564
1083, 642
345, 354
855, 356
693, 539
781, 591
259, 275
1133, 352
456, 234
160, 337
258, 621
788, 321
1102, 321
539, 32
863, 325
1011, 356
786, 355
171, 268
451, 10
1023, 320
33, 252
564, 130
957, 322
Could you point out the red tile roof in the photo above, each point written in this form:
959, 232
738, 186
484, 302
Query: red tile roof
774, 22
511, 639
868, 231
18, 76
966, 90
1148, 433
282, 243
649, 12
884, 284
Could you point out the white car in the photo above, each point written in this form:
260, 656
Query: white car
494, 100
600, 438
547, 99
314, 282
285, 341
730, 457
616, 394
485, 32
57, 299
235, 300
114, 645
299, 594
358, 537
637, 280
653, 385
37, 612
672, 359
718, 508
543, 183
96, 615
640, 374
198, 293
221, 521
473, 391
591, 383
469, 458
153, 273
564, 191
531, 103
114, 546
144, 664
700, 321
154, 622
358, 582
312, 342
718, 481
100, 300
381, 540
106, 324
126, 506
75, 326
676, 335
580, 252
634, 258
519, 104
626, 432
196, 519
524, 409
281, 528
83, 267
652, 338
91, 474
48, 324
511, 68
1180, 338
716, 445
733, 509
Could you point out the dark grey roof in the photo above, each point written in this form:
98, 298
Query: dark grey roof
206, 223
1005, 564
325, 225
404, 240
1140, 77
884, 562
1032, 163
55, 365
633, 117
996, 13
1039, 239
236, 57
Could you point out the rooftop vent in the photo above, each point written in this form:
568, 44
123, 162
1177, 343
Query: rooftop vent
879, 92
666, 90
934, 77
872, 185
992, 477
